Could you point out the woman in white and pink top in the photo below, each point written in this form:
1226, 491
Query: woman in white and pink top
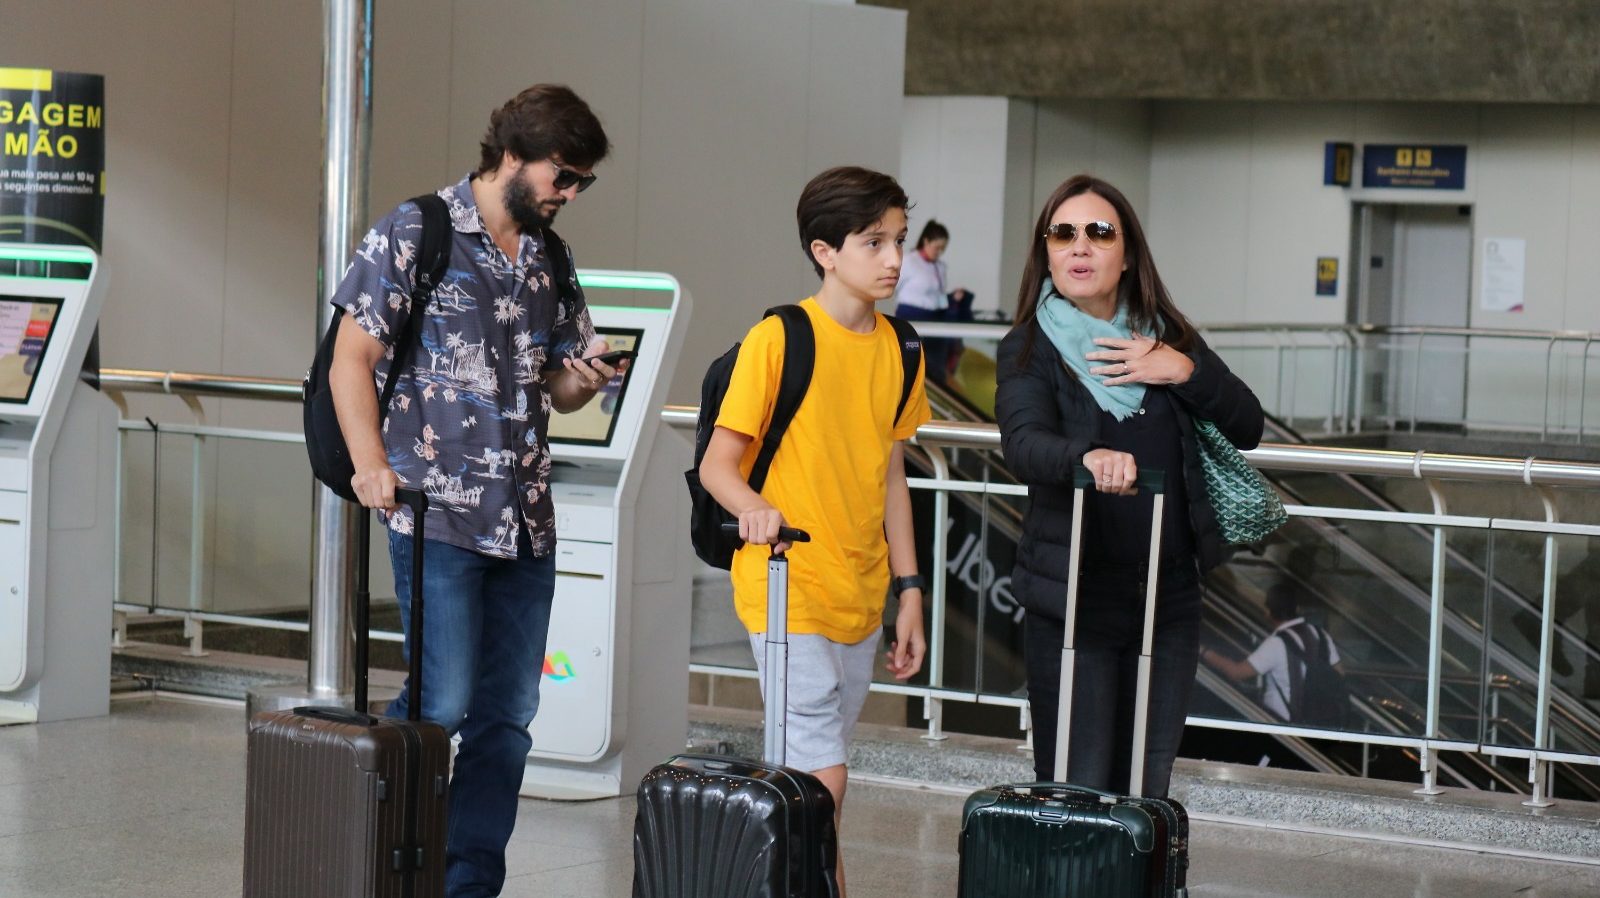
921, 294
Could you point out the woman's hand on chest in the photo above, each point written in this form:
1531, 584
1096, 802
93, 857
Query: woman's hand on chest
1139, 360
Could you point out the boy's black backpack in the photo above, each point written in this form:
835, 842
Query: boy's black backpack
325, 446
1318, 694
799, 356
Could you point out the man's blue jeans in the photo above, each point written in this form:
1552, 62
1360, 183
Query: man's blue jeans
484, 626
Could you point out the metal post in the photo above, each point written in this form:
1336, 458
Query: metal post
933, 709
1416, 381
1538, 768
1358, 351
346, 146
940, 553
1428, 755
1583, 386
346, 139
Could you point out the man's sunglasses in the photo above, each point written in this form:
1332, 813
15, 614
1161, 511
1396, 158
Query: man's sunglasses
566, 177
1063, 234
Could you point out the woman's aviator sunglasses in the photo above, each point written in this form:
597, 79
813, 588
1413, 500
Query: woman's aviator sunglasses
566, 177
1063, 234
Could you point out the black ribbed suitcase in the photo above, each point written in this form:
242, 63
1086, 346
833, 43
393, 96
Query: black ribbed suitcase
1055, 839
716, 827
341, 804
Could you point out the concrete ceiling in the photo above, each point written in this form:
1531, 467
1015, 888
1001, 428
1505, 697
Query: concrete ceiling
1535, 51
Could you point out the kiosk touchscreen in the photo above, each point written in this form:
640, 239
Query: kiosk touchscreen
57, 483
613, 700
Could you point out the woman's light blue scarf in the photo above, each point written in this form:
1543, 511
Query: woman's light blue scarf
1073, 333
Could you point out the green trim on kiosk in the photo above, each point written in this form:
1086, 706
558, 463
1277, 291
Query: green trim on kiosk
625, 281
41, 254
46, 264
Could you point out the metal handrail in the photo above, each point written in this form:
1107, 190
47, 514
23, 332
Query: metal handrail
1419, 465
982, 331
181, 383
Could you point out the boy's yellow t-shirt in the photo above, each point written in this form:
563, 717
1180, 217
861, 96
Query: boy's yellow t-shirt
829, 475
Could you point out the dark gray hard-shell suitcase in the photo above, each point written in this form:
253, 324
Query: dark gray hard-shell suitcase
1056, 839
342, 804
717, 827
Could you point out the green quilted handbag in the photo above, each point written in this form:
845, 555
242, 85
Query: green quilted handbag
1248, 508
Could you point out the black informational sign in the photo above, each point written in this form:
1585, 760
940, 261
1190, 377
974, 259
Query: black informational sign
52, 157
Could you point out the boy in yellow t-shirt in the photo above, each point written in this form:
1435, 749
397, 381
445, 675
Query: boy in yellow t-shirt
838, 473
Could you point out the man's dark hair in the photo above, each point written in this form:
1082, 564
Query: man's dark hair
543, 121
842, 201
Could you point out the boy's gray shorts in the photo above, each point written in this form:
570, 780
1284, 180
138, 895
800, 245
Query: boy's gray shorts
827, 687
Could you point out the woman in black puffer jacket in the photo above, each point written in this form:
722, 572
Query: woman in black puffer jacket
1102, 372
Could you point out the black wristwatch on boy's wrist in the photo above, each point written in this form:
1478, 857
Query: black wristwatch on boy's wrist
899, 585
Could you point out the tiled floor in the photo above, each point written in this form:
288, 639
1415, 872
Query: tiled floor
148, 802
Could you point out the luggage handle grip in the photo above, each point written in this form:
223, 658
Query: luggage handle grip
1148, 479
785, 534
1061, 789
336, 715
416, 500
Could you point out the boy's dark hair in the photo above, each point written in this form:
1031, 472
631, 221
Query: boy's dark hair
932, 231
543, 121
842, 201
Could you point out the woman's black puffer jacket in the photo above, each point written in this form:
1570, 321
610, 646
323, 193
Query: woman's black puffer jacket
1048, 420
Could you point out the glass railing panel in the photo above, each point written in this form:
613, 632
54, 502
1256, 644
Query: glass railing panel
1377, 616
258, 564
715, 633
136, 521
1575, 657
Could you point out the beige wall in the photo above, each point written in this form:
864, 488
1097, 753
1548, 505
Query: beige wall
1239, 215
719, 110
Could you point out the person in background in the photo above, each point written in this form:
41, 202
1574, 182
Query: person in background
921, 295
1292, 638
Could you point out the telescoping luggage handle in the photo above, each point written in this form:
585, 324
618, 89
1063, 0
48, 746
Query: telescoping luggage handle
417, 501
1155, 482
777, 645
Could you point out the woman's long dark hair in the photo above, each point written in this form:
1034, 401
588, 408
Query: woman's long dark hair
1140, 291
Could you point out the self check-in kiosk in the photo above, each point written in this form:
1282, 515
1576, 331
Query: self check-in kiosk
613, 700
57, 489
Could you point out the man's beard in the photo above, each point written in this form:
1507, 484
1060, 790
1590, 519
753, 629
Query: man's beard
523, 208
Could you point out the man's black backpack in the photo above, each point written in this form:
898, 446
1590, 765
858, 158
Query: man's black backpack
1318, 694
799, 356
325, 446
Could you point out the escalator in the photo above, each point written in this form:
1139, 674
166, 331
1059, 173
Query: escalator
1376, 590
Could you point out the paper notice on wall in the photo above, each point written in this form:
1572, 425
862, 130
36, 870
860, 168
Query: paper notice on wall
1502, 273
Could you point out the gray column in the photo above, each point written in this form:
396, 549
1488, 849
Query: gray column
346, 146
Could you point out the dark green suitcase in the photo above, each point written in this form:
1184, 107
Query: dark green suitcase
1053, 840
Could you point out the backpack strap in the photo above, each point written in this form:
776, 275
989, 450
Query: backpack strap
799, 358
1296, 661
433, 260
910, 360
555, 250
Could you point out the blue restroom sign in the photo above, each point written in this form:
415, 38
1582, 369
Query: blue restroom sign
1414, 166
